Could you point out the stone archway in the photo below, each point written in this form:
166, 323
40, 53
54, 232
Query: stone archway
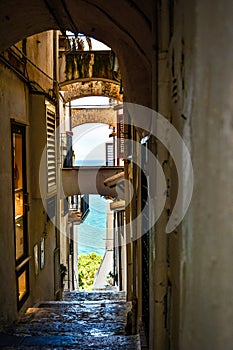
92, 88
113, 24
93, 115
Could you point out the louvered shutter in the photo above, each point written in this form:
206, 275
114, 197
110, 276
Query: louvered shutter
51, 150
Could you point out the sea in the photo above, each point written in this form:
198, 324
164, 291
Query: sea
92, 232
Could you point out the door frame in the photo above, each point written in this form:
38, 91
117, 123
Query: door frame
21, 262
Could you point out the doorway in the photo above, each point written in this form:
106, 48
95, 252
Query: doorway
20, 207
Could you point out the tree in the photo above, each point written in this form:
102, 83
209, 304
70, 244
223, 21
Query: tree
88, 265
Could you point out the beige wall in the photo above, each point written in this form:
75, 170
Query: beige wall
200, 249
42, 285
40, 51
15, 103
207, 243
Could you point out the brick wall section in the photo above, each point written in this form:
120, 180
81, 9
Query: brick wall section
92, 88
93, 115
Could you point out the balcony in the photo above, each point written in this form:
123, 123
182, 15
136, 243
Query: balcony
90, 180
88, 66
77, 207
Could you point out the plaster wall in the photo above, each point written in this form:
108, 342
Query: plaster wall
13, 99
14, 103
75, 253
207, 232
181, 97
42, 284
39, 226
64, 243
132, 45
40, 50
201, 109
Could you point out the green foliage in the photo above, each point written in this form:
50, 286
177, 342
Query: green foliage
88, 265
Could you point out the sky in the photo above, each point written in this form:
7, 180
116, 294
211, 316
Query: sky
89, 141
96, 45
91, 101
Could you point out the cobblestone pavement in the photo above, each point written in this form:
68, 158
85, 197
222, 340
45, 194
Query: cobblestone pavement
83, 320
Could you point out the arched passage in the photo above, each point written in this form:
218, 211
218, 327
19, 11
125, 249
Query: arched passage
92, 88
110, 24
93, 115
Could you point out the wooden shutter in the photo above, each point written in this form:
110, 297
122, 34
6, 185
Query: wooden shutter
51, 150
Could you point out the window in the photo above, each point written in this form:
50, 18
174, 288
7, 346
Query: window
109, 154
23, 285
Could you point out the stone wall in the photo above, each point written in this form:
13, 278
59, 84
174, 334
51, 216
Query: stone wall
15, 104
93, 115
92, 88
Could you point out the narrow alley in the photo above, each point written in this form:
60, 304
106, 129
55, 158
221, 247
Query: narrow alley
82, 320
151, 82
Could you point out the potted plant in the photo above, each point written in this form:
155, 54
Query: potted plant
112, 280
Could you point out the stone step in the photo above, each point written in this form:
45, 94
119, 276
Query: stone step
100, 295
70, 342
83, 320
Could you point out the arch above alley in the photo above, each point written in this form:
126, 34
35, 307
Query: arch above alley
108, 23
92, 88
93, 115
88, 65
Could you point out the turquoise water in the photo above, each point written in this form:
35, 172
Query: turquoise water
90, 162
92, 233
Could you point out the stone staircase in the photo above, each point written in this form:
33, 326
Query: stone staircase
82, 320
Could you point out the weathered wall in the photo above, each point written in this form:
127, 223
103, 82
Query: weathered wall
92, 88
113, 26
13, 98
15, 104
201, 109
88, 65
207, 230
40, 50
160, 314
93, 115
42, 285
181, 75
